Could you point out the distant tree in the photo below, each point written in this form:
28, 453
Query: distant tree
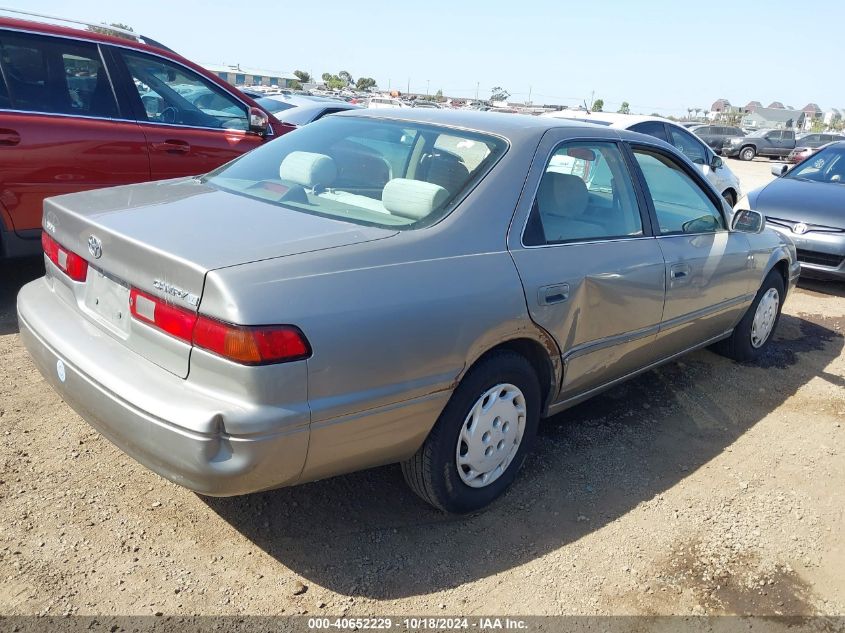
295, 85
818, 125
364, 83
598, 105
326, 76
499, 94
696, 110
105, 30
689, 113
625, 108
439, 96
345, 76
303, 76
655, 114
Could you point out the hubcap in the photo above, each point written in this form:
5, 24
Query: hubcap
491, 435
764, 318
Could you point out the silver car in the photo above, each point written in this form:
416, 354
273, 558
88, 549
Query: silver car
414, 286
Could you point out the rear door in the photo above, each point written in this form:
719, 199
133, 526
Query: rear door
593, 273
61, 128
709, 270
191, 125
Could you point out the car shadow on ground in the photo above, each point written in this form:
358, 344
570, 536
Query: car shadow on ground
14, 273
366, 534
822, 286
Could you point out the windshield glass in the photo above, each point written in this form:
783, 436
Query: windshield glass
273, 105
367, 171
828, 165
757, 133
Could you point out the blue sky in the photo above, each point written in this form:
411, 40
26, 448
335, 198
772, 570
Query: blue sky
658, 55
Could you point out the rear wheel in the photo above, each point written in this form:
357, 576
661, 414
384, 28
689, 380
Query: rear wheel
756, 329
747, 153
481, 438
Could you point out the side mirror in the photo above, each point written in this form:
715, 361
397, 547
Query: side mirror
259, 121
716, 162
747, 221
779, 170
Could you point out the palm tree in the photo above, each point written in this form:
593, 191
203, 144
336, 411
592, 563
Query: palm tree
689, 113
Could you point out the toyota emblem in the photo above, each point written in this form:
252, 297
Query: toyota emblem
800, 228
95, 247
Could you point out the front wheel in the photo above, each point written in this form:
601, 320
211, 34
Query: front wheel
747, 153
481, 438
755, 331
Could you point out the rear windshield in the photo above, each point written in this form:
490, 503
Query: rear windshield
367, 171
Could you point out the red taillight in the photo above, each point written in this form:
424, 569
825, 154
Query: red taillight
251, 345
245, 345
166, 317
69, 262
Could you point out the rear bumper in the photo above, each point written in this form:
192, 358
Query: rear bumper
99, 378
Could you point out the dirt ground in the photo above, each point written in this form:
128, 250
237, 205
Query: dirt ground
704, 486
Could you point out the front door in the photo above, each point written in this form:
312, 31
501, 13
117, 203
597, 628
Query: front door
592, 272
192, 125
61, 129
709, 271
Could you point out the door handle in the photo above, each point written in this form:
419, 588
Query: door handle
172, 146
679, 271
9, 137
557, 293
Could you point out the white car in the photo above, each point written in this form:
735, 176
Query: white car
711, 165
385, 103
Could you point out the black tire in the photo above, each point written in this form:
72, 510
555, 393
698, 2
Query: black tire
738, 346
747, 153
432, 473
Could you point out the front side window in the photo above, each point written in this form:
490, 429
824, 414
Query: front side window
688, 146
366, 171
681, 205
55, 76
175, 95
585, 194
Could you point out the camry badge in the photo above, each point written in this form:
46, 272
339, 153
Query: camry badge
800, 228
174, 291
95, 246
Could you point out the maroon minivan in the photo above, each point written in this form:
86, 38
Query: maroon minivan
81, 110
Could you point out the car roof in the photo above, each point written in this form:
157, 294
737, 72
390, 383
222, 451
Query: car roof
140, 42
509, 126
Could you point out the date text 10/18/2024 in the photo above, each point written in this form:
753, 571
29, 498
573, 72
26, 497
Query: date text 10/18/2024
418, 623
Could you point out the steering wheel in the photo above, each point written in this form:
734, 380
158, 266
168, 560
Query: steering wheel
169, 115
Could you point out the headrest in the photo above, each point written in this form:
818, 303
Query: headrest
413, 199
308, 169
563, 194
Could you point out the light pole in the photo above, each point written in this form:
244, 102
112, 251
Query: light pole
427, 88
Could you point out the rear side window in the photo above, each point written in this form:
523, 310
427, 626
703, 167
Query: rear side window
585, 194
652, 128
55, 76
174, 95
680, 203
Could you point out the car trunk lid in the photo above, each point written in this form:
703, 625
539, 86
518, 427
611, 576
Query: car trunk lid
163, 237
